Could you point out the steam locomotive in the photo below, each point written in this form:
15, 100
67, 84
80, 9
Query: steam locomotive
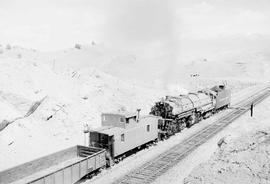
182, 111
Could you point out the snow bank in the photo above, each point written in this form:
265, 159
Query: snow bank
242, 160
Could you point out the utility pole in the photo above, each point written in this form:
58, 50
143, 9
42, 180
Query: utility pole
138, 114
251, 110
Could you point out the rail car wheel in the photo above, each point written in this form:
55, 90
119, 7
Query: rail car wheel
199, 117
191, 120
181, 124
110, 162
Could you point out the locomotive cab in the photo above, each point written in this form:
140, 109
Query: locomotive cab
223, 96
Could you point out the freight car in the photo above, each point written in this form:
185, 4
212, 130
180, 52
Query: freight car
123, 132
64, 167
183, 111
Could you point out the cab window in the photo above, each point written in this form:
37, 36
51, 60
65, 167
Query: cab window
148, 128
122, 137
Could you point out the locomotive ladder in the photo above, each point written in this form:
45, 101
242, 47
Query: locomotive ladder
149, 171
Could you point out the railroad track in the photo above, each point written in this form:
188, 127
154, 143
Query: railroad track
149, 171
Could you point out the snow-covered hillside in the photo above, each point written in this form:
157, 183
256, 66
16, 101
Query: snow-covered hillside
47, 97
67, 100
161, 70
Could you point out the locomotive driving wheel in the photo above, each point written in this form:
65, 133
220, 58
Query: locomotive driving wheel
181, 124
191, 120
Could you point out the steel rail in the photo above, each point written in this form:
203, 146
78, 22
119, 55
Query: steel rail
152, 169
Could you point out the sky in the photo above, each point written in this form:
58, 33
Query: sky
134, 24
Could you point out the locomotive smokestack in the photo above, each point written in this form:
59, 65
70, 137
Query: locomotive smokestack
138, 114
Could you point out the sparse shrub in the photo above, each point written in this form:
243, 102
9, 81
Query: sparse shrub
78, 46
19, 56
123, 109
8, 46
1, 51
85, 97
